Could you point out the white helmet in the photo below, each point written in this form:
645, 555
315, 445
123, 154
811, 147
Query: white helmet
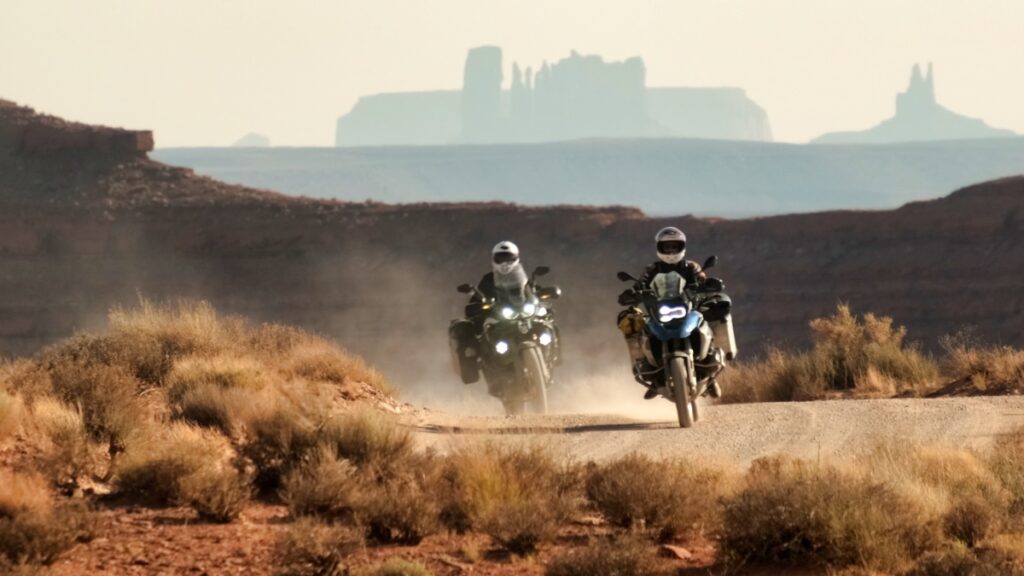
671, 243
504, 257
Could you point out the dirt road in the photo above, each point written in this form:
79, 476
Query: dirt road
743, 432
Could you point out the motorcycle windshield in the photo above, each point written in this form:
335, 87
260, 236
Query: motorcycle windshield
510, 295
668, 286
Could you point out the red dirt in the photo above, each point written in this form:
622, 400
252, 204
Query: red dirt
135, 540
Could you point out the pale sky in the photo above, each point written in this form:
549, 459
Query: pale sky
206, 72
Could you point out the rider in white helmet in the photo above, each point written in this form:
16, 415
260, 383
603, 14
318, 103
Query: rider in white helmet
670, 244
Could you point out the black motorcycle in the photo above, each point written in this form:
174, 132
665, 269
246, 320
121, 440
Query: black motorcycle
513, 340
687, 336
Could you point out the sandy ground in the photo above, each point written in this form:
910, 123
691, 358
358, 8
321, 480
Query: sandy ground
742, 432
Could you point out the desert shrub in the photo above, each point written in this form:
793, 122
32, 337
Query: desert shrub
155, 470
518, 496
158, 334
398, 567
667, 497
310, 548
33, 529
867, 356
953, 485
1006, 461
277, 439
956, 559
11, 409
993, 369
71, 455
971, 519
213, 391
316, 359
791, 512
324, 485
401, 509
107, 397
216, 494
369, 440
628, 556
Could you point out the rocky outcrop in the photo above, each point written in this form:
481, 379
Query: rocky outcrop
580, 96
918, 117
23, 131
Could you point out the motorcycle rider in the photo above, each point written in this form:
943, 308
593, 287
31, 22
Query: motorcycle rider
670, 244
506, 281
507, 277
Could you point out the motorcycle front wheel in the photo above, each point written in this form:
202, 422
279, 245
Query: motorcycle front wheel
536, 380
679, 369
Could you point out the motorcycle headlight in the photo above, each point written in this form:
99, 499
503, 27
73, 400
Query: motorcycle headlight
529, 308
545, 338
669, 313
541, 311
501, 347
508, 313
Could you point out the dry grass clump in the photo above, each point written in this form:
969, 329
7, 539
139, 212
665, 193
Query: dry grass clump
325, 485
954, 486
277, 440
33, 529
1006, 462
214, 391
11, 409
106, 395
669, 498
369, 440
518, 496
71, 455
402, 508
216, 494
868, 357
955, 559
792, 512
988, 369
399, 567
317, 360
609, 557
155, 470
310, 548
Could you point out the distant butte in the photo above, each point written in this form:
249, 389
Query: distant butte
578, 97
918, 117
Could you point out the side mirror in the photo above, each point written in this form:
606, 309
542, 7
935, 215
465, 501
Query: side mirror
710, 262
465, 288
625, 277
629, 298
712, 285
549, 293
541, 271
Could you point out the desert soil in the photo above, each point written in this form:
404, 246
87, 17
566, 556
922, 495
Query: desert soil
743, 432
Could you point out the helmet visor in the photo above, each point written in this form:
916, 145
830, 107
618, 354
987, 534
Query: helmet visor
671, 247
505, 258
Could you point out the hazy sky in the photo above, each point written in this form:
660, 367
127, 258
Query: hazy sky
205, 72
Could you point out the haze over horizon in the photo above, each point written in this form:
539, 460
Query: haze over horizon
201, 73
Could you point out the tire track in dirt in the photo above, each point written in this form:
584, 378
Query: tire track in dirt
743, 432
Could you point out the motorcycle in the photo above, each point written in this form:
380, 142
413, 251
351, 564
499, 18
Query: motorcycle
516, 349
687, 336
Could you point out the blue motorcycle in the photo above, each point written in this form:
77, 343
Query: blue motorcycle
678, 339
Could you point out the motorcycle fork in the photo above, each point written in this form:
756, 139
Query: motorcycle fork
683, 349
